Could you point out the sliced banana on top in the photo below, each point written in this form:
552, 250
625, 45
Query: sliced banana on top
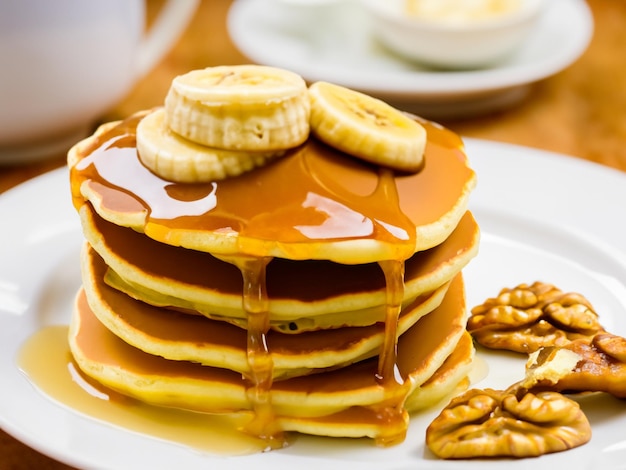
366, 127
221, 121
175, 158
242, 107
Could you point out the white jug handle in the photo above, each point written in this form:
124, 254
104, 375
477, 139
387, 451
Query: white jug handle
172, 20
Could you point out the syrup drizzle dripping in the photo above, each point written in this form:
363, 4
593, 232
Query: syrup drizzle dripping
255, 304
391, 413
388, 373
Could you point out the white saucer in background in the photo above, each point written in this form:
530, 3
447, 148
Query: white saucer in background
339, 48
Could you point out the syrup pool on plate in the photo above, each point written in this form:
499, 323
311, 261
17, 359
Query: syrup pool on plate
60, 379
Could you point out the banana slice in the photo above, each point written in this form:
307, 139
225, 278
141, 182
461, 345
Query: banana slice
177, 159
243, 107
366, 127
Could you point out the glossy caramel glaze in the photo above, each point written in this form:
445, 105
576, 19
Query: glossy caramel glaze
294, 207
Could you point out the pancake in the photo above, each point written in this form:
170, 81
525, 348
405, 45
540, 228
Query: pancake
330, 206
195, 338
302, 296
449, 380
319, 293
438, 341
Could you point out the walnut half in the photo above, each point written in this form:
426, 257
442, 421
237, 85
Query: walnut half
528, 317
493, 423
601, 367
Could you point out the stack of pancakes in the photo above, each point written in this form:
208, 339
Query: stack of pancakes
285, 294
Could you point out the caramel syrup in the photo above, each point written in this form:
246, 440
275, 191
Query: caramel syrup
312, 196
255, 304
46, 359
392, 412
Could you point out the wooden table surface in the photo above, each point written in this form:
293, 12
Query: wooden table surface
580, 111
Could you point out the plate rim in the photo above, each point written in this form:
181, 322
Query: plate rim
427, 86
475, 147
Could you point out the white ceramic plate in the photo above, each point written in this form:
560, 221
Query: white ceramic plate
338, 47
543, 216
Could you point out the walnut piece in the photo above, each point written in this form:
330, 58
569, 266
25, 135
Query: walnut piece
529, 317
493, 423
601, 367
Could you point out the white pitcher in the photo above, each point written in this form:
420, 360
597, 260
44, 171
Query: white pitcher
63, 63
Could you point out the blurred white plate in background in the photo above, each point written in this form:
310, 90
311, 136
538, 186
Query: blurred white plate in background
332, 42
